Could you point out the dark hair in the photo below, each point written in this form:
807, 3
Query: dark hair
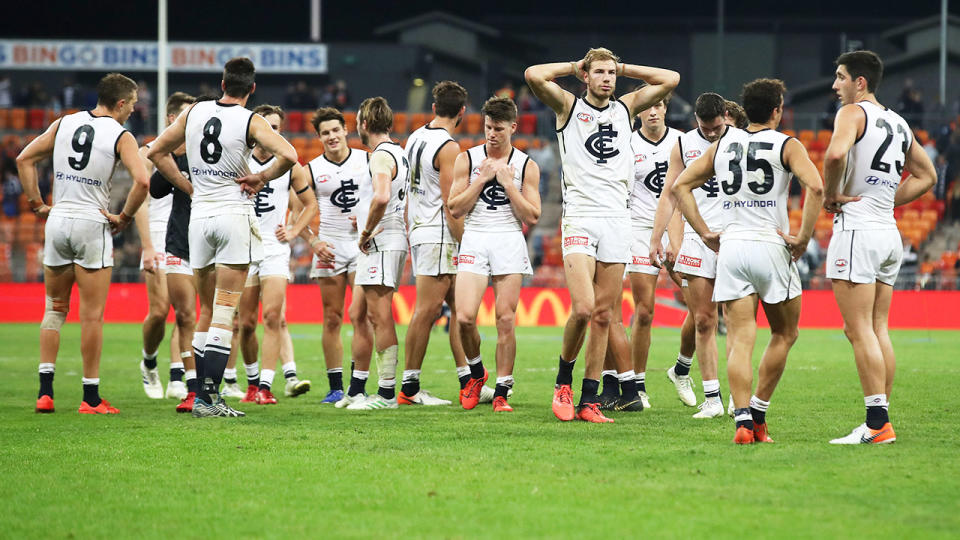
113, 87
376, 113
206, 97
238, 75
264, 110
709, 106
324, 114
177, 101
500, 109
761, 97
736, 112
864, 64
449, 97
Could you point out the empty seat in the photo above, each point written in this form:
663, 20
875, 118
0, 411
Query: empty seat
295, 121
528, 124
35, 119
474, 122
18, 119
400, 123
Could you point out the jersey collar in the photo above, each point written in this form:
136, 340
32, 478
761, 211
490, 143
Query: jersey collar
349, 153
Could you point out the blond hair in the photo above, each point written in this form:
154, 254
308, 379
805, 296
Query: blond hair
598, 54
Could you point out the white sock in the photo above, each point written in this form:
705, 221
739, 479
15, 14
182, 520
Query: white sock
758, 404
253, 370
876, 400
87, 381
176, 365
189, 374
230, 374
266, 377
610, 372
199, 340
47, 367
410, 375
684, 360
149, 356
711, 386
472, 361
220, 338
506, 380
463, 371
640, 376
290, 370
360, 375
626, 376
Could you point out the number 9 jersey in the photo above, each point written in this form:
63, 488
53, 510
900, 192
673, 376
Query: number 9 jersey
753, 185
874, 168
218, 152
84, 159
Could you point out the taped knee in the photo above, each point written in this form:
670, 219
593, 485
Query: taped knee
55, 314
224, 308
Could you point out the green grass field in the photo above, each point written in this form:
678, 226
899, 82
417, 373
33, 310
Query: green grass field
299, 469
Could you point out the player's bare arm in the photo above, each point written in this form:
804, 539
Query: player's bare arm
694, 176
666, 210
525, 201
445, 161
463, 193
306, 203
541, 77
848, 125
382, 171
160, 153
923, 175
148, 255
130, 157
262, 134
660, 82
798, 161
38, 150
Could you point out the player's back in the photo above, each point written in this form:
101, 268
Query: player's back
874, 168
597, 161
425, 212
393, 236
693, 145
492, 212
218, 151
754, 182
337, 187
651, 160
85, 156
271, 204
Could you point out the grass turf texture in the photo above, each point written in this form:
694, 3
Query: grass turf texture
306, 470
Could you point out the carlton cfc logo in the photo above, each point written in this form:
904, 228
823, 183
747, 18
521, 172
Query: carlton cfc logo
692, 154
585, 117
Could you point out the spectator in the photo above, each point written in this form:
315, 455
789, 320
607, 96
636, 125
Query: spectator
300, 98
526, 102
70, 94
831, 113
953, 201
940, 164
910, 105
6, 94
545, 158
506, 90
341, 97
11, 194
141, 110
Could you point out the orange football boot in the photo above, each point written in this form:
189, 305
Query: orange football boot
760, 434
563, 402
44, 404
884, 435
470, 394
186, 404
500, 405
744, 435
590, 412
103, 408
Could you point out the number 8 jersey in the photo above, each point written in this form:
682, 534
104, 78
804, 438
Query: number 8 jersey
753, 185
873, 171
84, 159
218, 153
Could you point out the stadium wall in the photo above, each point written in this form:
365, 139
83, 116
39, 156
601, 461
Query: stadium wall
23, 302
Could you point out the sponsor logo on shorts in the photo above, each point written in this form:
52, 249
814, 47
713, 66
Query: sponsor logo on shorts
692, 154
465, 259
645, 261
321, 265
576, 241
689, 261
372, 270
585, 117
173, 261
841, 265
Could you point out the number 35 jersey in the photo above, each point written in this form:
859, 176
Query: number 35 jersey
597, 160
337, 186
874, 168
693, 145
218, 152
650, 162
84, 159
753, 183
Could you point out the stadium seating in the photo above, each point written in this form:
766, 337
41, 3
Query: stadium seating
418, 120
294, 121
18, 119
350, 121
528, 124
400, 122
474, 124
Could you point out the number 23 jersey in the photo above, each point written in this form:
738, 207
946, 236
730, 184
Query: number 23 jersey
650, 162
84, 159
337, 186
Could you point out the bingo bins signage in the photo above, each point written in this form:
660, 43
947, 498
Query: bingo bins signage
78, 55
